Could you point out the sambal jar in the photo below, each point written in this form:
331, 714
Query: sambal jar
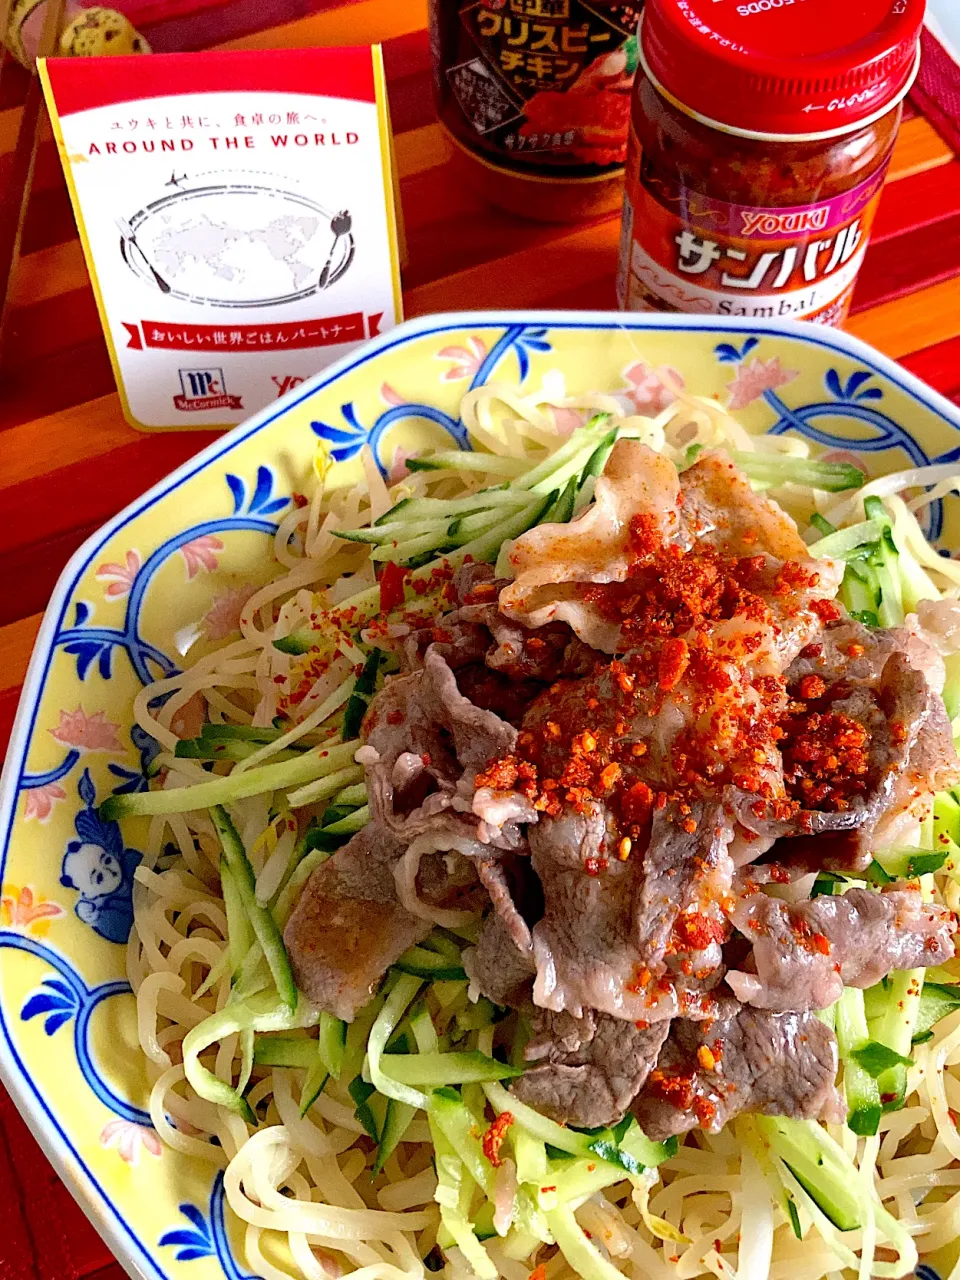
760, 137
535, 97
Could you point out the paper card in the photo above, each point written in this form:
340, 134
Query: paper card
237, 215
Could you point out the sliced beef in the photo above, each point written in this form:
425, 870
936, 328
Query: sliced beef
893, 714
805, 954
743, 1059
553, 564
588, 1070
348, 927
501, 970
607, 923
429, 741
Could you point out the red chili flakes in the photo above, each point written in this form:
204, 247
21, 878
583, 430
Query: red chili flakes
674, 660
645, 536
509, 774
637, 803
825, 760
392, 581
695, 931
494, 1137
812, 688
793, 577
689, 825
855, 650
540, 1272
395, 717
610, 776
825, 610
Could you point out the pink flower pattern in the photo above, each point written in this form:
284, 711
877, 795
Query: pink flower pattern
201, 554
467, 360
189, 720
398, 468
222, 619
87, 733
566, 421
38, 802
128, 1139
389, 395
119, 576
19, 909
651, 390
755, 378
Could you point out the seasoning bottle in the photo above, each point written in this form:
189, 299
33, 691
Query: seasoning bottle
760, 137
535, 98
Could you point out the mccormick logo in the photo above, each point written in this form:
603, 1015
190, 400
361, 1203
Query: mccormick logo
204, 389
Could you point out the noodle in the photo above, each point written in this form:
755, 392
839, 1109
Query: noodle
304, 1182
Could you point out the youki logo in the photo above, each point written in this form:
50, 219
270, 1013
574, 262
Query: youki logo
286, 383
204, 389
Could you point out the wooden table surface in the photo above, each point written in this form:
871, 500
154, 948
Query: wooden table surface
68, 461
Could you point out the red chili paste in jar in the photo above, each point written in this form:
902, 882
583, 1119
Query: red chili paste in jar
760, 137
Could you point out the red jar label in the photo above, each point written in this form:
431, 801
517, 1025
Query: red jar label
538, 83
681, 251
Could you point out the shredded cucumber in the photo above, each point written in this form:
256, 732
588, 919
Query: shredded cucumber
895, 1028
453, 1196
859, 1085
260, 1013
456, 460
819, 1165
394, 1007
583, 1256
857, 538
261, 921
829, 477
311, 766
431, 1070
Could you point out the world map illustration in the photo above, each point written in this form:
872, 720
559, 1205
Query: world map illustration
214, 244
237, 245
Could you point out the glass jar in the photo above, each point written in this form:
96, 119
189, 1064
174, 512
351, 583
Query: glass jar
737, 201
534, 96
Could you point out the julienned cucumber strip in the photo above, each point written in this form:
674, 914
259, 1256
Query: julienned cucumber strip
829, 477
446, 1108
429, 964
859, 1085
358, 701
227, 749
240, 733
260, 1013
846, 542
562, 510
885, 564
394, 1007
453, 1195
583, 1256
331, 1043
396, 1122
434, 1070
239, 932
818, 1164
262, 922
576, 451
310, 767
639, 1150
936, 1001
464, 460
277, 1051
894, 1029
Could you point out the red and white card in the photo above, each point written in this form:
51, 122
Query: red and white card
237, 215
